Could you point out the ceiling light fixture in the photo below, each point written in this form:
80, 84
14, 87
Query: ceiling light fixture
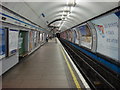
67, 9
71, 3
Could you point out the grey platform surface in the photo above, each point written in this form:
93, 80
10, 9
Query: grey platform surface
45, 68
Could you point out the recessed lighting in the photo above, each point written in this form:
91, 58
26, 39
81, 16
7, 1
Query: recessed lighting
71, 2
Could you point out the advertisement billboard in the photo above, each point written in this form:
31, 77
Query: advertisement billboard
76, 36
107, 34
2, 43
13, 41
86, 37
31, 40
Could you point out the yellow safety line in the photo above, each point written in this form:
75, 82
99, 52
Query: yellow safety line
71, 71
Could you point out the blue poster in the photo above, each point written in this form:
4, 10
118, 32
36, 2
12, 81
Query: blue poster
2, 43
83, 30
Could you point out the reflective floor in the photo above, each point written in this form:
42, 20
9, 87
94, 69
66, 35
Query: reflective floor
45, 68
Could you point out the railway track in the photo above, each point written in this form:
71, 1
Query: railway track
97, 76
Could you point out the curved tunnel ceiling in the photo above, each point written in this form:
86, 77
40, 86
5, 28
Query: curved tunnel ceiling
54, 21
52, 11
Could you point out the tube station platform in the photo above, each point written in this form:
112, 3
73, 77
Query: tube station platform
47, 67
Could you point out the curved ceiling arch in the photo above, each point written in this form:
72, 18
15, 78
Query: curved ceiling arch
56, 20
83, 11
71, 17
74, 15
55, 9
60, 15
70, 22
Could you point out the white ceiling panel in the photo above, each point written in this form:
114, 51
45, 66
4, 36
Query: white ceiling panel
54, 10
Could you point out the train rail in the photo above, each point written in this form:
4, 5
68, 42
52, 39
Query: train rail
97, 76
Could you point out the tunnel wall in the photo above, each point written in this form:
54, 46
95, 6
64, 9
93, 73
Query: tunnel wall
99, 36
19, 38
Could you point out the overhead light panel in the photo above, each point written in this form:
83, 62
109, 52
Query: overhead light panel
65, 13
63, 18
71, 2
67, 9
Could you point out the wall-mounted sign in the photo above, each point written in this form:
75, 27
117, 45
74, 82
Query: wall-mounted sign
13, 41
86, 37
2, 43
107, 34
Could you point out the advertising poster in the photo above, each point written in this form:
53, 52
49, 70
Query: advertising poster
35, 38
23, 42
83, 30
13, 41
67, 35
107, 34
64, 35
31, 41
2, 43
43, 36
71, 36
76, 36
40, 36
86, 39
20, 43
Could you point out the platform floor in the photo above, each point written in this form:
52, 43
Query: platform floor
45, 68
